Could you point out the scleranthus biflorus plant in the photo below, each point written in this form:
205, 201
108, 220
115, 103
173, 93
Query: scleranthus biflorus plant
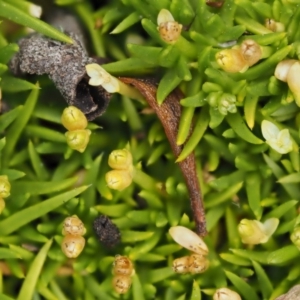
195, 105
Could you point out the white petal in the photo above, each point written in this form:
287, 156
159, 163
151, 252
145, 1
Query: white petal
283, 144
35, 10
270, 226
164, 16
269, 130
112, 86
100, 77
95, 81
285, 140
93, 70
188, 239
277, 147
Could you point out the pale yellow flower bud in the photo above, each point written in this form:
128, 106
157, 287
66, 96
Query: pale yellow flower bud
72, 245
78, 139
170, 31
194, 264
283, 68
226, 294
120, 159
254, 232
181, 265
274, 26
188, 239
198, 264
123, 266
74, 226
118, 179
73, 118
231, 61
168, 28
121, 283
293, 80
251, 52
4, 186
270, 24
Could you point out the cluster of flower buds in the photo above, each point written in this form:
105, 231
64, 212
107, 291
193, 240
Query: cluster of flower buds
279, 140
4, 191
195, 263
121, 175
123, 271
288, 71
253, 232
225, 102
240, 58
75, 121
226, 294
73, 241
169, 30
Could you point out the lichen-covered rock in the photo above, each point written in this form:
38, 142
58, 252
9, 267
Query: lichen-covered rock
292, 294
65, 65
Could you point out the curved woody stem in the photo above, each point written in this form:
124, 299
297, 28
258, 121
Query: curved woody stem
169, 114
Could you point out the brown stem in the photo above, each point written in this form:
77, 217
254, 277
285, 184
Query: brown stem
217, 4
169, 114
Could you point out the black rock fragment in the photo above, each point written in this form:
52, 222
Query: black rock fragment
106, 231
65, 65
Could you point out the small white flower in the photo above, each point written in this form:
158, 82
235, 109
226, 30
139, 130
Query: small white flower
100, 77
253, 232
279, 140
227, 104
